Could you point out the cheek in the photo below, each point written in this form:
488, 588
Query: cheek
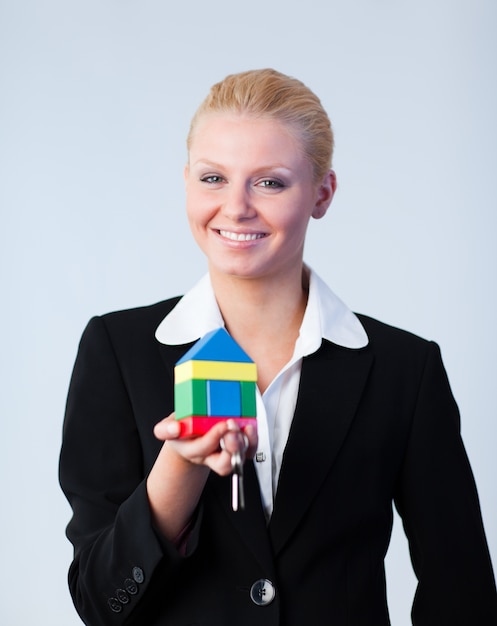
197, 228
199, 209
295, 223
194, 210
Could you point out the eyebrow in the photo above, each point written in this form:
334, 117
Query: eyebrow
261, 169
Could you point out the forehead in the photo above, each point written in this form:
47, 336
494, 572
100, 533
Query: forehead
220, 131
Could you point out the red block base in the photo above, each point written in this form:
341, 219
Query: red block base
195, 426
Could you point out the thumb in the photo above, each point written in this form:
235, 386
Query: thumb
167, 428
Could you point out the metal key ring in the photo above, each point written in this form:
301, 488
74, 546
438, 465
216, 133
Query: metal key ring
244, 436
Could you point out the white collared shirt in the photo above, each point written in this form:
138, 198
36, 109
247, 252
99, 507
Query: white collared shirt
325, 317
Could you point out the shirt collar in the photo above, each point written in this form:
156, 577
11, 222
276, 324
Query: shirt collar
326, 316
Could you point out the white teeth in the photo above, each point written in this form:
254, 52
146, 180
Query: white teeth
241, 236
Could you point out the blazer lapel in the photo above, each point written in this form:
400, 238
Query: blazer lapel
171, 355
331, 385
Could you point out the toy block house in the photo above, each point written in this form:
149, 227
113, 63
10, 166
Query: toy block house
215, 380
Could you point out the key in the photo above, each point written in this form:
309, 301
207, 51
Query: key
237, 492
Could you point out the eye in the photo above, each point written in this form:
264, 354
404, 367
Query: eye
212, 179
270, 183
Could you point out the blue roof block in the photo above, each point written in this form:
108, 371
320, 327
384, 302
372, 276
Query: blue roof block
217, 345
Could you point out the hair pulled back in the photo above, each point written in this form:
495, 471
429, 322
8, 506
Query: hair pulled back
271, 94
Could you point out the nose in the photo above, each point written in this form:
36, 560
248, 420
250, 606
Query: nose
237, 204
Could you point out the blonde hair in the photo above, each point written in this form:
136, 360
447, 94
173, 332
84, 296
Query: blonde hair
268, 93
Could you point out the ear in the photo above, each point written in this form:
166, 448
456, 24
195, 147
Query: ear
325, 192
186, 171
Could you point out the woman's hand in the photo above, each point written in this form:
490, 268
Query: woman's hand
179, 474
207, 450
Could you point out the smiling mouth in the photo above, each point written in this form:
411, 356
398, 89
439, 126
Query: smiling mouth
241, 236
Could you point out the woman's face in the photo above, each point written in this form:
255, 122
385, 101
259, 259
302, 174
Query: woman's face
250, 194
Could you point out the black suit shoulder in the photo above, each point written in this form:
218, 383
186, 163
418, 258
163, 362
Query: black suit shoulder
395, 343
382, 333
130, 331
139, 317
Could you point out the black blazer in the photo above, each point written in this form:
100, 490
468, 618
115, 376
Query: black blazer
371, 426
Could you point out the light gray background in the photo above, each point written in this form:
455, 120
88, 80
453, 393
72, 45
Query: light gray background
95, 100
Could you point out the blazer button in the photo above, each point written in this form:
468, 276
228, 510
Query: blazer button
115, 605
138, 575
262, 592
130, 586
122, 596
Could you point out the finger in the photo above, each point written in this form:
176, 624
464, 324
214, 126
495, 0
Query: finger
237, 440
198, 448
167, 429
211, 449
253, 440
234, 442
240, 441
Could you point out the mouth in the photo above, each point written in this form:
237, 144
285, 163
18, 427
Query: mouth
228, 234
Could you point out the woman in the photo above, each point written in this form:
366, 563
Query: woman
352, 415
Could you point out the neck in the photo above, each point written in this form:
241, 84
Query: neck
263, 316
246, 301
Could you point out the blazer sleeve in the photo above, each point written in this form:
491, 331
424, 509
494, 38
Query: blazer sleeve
116, 549
438, 502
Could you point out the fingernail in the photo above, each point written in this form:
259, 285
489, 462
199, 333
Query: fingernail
172, 428
250, 430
